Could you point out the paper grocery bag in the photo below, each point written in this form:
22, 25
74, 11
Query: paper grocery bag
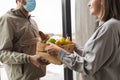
41, 52
68, 47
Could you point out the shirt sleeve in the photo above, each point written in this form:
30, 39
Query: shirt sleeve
72, 61
7, 55
97, 51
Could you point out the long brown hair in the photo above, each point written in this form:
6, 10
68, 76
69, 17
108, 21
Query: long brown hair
110, 9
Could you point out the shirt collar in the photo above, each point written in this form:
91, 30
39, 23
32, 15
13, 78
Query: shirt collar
101, 23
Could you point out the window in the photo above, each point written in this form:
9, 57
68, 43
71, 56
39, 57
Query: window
48, 15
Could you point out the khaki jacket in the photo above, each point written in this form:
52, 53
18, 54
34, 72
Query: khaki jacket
100, 59
18, 37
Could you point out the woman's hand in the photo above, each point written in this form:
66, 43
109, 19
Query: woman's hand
38, 60
52, 49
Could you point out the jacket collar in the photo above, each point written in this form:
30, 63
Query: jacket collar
19, 13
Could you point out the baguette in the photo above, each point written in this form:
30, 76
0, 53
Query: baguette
44, 37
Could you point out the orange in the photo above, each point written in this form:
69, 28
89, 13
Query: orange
68, 41
58, 43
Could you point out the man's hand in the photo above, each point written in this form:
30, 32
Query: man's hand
38, 61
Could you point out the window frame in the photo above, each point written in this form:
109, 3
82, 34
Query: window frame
67, 31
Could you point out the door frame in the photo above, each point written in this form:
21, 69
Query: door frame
67, 32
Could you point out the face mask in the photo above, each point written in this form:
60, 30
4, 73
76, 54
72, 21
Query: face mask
30, 5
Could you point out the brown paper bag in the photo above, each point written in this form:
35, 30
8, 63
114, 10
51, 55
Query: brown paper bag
69, 47
40, 51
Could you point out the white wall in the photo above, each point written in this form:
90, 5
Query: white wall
84, 22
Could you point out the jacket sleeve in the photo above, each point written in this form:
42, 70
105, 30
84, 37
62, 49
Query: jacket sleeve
97, 52
7, 55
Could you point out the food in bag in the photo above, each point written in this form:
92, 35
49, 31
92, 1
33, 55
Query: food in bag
62, 42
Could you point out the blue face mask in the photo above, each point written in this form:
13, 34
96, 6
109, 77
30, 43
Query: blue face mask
30, 5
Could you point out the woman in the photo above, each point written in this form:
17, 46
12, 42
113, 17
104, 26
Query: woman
100, 59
